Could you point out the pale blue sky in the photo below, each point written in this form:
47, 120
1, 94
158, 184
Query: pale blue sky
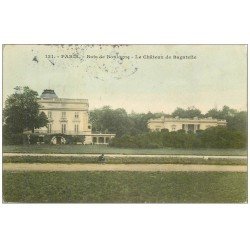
217, 77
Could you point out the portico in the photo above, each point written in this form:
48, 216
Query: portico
102, 138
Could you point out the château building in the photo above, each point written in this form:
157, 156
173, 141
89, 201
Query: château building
187, 124
68, 117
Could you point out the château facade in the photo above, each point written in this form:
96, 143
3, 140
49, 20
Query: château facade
187, 124
68, 117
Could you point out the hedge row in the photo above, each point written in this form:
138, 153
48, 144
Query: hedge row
216, 137
123, 160
19, 139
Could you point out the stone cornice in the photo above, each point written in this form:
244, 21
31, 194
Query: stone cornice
62, 100
64, 109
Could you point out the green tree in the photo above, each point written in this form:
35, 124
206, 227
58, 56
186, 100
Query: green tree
140, 121
190, 112
238, 121
21, 112
235, 120
222, 137
221, 114
119, 122
110, 120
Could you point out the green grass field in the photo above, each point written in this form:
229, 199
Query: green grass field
125, 187
98, 149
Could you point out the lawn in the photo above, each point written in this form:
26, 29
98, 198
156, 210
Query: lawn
98, 149
125, 187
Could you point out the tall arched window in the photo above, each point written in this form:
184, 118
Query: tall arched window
76, 128
63, 128
49, 128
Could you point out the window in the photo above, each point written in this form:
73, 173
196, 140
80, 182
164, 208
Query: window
101, 139
173, 127
76, 114
63, 128
63, 114
76, 128
49, 128
49, 114
191, 127
157, 128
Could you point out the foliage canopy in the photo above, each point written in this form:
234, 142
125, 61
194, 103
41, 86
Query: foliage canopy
21, 113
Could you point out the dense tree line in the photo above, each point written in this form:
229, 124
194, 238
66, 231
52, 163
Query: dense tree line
132, 131
214, 137
118, 121
187, 113
236, 120
21, 113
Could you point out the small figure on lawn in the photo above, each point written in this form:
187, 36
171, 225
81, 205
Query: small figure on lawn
101, 159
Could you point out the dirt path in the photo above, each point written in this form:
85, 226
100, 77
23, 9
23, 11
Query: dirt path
131, 155
122, 167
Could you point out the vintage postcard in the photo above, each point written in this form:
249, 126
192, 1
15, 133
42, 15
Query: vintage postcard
124, 123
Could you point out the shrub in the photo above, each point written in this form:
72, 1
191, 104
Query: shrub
70, 139
215, 137
13, 139
33, 138
47, 139
78, 138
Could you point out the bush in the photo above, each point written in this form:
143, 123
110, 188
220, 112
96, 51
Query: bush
78, 138
47, 139
70, 139
215, 137
221, 137
33, 138
13, 139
